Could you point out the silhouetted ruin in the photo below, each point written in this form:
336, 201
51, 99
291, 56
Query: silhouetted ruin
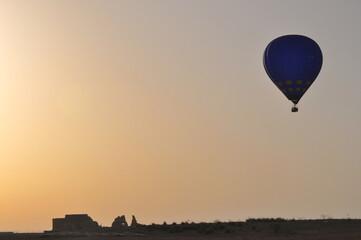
119, 222
75, 222
134, 222
84, 223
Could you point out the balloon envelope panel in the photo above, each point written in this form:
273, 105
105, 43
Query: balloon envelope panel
293, 62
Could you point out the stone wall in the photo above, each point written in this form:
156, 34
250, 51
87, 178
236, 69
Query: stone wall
75, 222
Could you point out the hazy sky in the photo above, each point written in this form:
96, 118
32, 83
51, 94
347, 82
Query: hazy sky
162, 109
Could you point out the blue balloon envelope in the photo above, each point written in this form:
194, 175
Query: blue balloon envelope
293, 62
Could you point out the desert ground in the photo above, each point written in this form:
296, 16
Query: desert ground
253, 229
323, 237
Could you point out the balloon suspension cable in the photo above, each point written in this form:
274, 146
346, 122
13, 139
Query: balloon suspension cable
294, 108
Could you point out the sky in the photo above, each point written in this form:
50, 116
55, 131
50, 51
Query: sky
162, 109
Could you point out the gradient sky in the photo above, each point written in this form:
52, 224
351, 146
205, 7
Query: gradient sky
162, 109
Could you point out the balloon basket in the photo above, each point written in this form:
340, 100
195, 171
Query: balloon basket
294, 109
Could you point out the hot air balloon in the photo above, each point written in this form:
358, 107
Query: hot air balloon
293, 62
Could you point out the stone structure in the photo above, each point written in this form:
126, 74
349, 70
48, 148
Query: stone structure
84, 223
134, 222
75, 222
119, 222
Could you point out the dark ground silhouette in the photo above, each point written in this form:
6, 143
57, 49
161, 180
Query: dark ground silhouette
251, 229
